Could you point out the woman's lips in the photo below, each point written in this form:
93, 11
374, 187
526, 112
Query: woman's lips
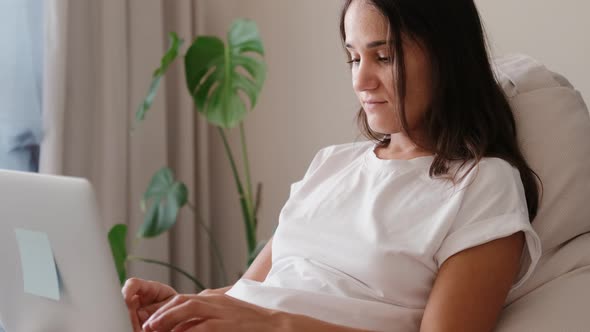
369, 105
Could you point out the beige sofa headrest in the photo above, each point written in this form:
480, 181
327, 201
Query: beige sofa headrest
553, 125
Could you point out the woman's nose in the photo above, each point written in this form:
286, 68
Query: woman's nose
364, 78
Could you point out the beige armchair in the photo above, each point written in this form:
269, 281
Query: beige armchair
554, 132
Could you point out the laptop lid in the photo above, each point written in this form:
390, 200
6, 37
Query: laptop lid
64, 209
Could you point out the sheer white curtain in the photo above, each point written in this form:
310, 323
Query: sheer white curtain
99, 59
20, 84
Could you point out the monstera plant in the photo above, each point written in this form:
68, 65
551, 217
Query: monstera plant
224, 79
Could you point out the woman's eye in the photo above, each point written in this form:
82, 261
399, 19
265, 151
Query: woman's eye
380, 59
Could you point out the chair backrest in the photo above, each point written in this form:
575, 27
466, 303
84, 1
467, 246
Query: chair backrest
553, 125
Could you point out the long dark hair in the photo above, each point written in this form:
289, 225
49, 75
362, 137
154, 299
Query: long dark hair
469, 116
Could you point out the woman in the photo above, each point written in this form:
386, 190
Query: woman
426, 227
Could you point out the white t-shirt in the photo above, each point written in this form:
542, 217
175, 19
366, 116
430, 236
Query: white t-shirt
360, 239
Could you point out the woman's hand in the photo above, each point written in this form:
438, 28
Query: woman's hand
214, 312
143, 298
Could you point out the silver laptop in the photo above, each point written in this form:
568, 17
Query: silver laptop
64, 209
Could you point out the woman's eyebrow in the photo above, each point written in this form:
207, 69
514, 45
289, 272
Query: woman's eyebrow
372, 44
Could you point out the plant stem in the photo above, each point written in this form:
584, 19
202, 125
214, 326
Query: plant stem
250, 233
250, 197
258, 195
216, 250
177, 269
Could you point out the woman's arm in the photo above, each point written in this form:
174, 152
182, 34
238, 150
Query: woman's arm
220, 312
257, 271
471, 287
292, 323
261, 265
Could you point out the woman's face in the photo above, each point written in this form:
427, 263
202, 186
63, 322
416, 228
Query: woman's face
372, 70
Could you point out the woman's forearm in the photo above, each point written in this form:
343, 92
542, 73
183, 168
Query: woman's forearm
219, 291
288, 322
293, 322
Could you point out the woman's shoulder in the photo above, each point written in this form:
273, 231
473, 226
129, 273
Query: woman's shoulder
339, 154
353, 148
490, 174
494, 167
342, 152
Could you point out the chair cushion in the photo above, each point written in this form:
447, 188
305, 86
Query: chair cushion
553, 125
559, 305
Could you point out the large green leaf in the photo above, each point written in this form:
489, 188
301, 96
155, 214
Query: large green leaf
214, 77
167, 59
117, 238
164, 198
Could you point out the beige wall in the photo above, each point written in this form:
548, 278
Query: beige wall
555, 32
308, 103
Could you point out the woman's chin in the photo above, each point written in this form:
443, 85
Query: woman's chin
381, 129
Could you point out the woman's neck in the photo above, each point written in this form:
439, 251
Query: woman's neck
400, 146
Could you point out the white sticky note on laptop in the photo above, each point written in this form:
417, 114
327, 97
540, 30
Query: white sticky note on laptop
38, 264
